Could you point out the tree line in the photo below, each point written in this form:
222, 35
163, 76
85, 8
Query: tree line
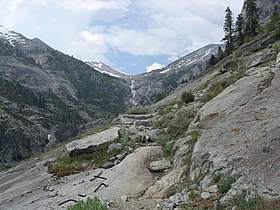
244, 28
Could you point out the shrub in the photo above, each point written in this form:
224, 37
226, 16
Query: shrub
164, 141
89, 204
195, 136
276, 47
253, 203
216, 177
180, 124
66, 165
171, 191
225, 184
138, 110
187, 97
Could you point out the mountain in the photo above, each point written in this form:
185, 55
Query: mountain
105, 69
155, 85
47, 95
265, 9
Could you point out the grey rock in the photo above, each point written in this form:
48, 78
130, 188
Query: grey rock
146, 123
212, 189
193, 187
124, 198
92, 143
153, 134
278, 58
180, 198
168, 204
122, 156
206, 182
115, 146
159, 165
237, 128
108, 164
205, 195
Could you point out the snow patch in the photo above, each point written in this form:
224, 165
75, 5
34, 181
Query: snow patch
167, 70
153, 67
10, 36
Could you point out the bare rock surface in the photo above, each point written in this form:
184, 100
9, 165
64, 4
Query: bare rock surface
91, 143
240, 134
30, 187
159, 165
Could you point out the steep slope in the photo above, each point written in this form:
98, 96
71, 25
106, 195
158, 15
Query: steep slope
47, 91
234, 157
265, 9
155, 85
105, 69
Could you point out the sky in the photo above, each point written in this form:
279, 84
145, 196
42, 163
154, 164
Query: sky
133, 36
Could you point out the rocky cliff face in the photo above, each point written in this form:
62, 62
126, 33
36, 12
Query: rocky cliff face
265, 9
46, 95
156, 85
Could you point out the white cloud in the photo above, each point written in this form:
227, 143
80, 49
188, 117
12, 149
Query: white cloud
93, 5
154, 66
139, 27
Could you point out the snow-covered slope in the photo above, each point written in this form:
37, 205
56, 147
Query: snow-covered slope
104, 69
201, 55
12, 37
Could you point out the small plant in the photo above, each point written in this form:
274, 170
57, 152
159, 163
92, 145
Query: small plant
138, 110
65, 165
164, 141
187, 97
195, 136
253, 203
225, 184
180, 123
216, 177
276, 47
171, 191
89, 204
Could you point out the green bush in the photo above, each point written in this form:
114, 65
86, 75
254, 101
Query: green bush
187, 97
180, 124
225, 184
216, 177
276, 47
171, 191
89, 204
138, 110
65, 165
253, 203
166, 143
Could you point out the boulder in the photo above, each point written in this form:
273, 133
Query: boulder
115, 147
278, 58
108, 164
92, 143
159, 165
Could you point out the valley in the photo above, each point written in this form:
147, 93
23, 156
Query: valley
200, 133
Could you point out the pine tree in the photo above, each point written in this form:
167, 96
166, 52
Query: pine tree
228, 29
252, 18
220, 54
239, 28
212, 60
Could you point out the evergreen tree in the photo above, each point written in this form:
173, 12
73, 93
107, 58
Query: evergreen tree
252, 18
239, 28
228, 29
220, 54
212, 61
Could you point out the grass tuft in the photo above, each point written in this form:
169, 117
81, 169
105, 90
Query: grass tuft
89, 204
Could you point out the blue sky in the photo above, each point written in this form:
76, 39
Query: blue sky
129, 35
